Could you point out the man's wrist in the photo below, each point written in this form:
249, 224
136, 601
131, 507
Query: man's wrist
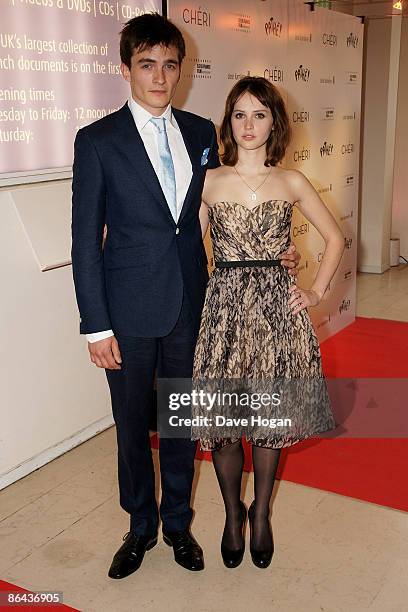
97, 336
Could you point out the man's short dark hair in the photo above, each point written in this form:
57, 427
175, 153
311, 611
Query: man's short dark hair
147, 31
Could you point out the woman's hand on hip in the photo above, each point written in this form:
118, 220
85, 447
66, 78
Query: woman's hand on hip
301, 298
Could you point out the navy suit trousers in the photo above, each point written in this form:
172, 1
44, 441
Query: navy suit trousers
131, 393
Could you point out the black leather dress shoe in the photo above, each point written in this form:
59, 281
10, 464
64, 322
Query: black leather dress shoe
130, 555
187, 552
233, 558
260, 558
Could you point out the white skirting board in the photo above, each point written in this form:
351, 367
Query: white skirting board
55, 451
374, 269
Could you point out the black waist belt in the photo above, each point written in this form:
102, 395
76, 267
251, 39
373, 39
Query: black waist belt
249, 263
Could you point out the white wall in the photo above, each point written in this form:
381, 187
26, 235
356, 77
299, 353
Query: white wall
379, 116
400, 195
51, 396
383, 197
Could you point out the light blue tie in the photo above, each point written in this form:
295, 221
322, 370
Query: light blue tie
168, 174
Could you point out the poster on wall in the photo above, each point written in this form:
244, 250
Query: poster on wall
226, 41
324, 99
59, 71
314, 58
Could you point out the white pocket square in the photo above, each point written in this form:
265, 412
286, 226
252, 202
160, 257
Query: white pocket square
204, 157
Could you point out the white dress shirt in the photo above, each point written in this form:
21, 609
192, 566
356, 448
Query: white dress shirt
181, 162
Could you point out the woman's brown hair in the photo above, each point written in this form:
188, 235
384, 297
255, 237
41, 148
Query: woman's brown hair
269, 96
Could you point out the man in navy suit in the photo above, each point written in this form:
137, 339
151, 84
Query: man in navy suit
140, 171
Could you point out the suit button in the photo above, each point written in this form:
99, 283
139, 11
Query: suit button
177, 231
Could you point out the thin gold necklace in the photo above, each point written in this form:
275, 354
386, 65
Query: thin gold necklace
253, 191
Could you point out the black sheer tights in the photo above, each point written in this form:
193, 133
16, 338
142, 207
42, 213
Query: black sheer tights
228, 463
265, 462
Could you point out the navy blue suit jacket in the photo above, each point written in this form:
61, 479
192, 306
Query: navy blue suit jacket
134, 285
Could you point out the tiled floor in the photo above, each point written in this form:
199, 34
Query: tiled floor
384, 295
60, 526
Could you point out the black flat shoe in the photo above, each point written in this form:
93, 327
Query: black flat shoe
187, 552
260, 558
232, 558
130, 555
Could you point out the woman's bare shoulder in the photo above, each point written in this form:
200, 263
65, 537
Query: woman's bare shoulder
214, 180
295, 180
288, 174
290, 181
214, 174
218, 171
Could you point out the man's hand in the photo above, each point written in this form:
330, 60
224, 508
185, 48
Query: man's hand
105, 353
290, 259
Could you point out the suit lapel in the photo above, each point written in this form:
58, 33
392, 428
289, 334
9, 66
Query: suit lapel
131, 144
186, 126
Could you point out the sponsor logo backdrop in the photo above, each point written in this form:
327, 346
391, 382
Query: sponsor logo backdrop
315, 59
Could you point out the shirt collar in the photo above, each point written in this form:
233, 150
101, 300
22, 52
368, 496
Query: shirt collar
142, 116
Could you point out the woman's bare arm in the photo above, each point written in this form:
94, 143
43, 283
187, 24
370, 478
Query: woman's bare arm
204, 220
316, 212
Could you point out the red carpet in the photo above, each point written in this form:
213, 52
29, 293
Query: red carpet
7, 587
373, 470
368, 348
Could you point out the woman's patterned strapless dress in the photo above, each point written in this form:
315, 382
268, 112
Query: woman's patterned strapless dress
249, 334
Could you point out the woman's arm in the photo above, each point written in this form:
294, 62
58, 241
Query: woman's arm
204, 220
203, 213
315, 211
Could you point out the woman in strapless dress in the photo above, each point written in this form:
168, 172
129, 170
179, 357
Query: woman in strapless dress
255, 329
